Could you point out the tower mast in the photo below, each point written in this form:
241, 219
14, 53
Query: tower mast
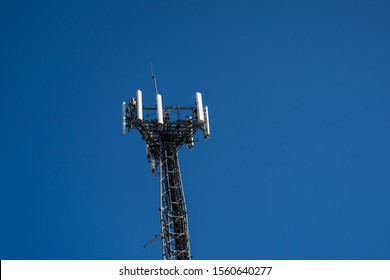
165, 130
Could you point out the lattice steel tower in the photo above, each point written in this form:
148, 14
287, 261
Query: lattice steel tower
165, 130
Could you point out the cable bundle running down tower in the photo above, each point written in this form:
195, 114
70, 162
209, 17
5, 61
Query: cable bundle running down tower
165, 130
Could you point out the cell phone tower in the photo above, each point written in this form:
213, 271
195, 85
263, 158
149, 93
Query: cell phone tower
165, 130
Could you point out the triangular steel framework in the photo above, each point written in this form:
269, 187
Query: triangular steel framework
164, 136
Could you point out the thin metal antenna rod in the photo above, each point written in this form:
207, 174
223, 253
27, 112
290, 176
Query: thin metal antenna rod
154, 78
156, 237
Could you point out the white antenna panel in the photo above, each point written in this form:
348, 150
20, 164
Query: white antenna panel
139, 105
191, 139
159, 109
199, 107
207, 128
124, 122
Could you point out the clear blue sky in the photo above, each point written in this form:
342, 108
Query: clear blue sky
298, 162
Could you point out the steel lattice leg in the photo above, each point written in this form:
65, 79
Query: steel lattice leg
174, 221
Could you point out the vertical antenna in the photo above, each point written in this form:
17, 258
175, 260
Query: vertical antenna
154, 78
